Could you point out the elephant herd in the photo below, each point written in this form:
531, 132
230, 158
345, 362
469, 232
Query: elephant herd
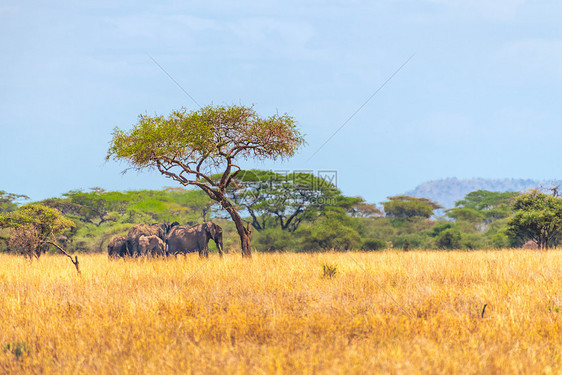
162, 239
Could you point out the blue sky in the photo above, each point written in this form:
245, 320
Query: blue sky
480, 97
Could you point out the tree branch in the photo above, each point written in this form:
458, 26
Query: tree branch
74, 261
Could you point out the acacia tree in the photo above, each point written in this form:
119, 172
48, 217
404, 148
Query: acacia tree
538, 217
190, 147
483, 206
403, 206
287, 199
34, 227
8, 201
92, 207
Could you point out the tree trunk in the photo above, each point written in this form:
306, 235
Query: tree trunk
255, 222
243, 232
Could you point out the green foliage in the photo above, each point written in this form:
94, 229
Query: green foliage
357, 207
284, 200
32, 226
449, 238
538, 217
470, 215
9, 201
328, 233
373, 244
471, 241
92, 207
200, 135
440, 227
274, 239
411, 241
482, 207
491, 201
339, 223
402, 206
497, 239
48, 221
481, 217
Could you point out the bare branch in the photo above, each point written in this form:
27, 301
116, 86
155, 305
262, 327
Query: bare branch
74, 261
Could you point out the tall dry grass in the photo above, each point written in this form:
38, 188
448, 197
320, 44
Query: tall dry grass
385, 312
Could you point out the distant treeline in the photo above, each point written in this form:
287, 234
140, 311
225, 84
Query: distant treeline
296, 213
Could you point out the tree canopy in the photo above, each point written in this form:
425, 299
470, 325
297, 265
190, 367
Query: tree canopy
538, 217
282, 198
33, 227
9, 201
483, 206
403, 206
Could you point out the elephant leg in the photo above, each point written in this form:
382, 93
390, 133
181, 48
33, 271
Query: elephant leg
203, 249
219, 249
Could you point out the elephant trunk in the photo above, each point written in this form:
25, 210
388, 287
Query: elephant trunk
218, 242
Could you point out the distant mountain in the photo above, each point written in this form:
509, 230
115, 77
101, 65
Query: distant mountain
447, 191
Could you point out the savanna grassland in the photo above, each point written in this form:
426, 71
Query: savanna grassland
381, 312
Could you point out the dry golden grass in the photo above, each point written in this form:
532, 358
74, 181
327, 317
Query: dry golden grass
277, 313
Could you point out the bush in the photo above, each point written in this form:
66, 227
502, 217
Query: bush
449, 239
472, 241
330, 234
273, 239
4, 241
440, 227
409, 241
373, 244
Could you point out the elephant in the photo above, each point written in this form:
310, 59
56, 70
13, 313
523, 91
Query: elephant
152, 246
117, 247
159, 230
183, 239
